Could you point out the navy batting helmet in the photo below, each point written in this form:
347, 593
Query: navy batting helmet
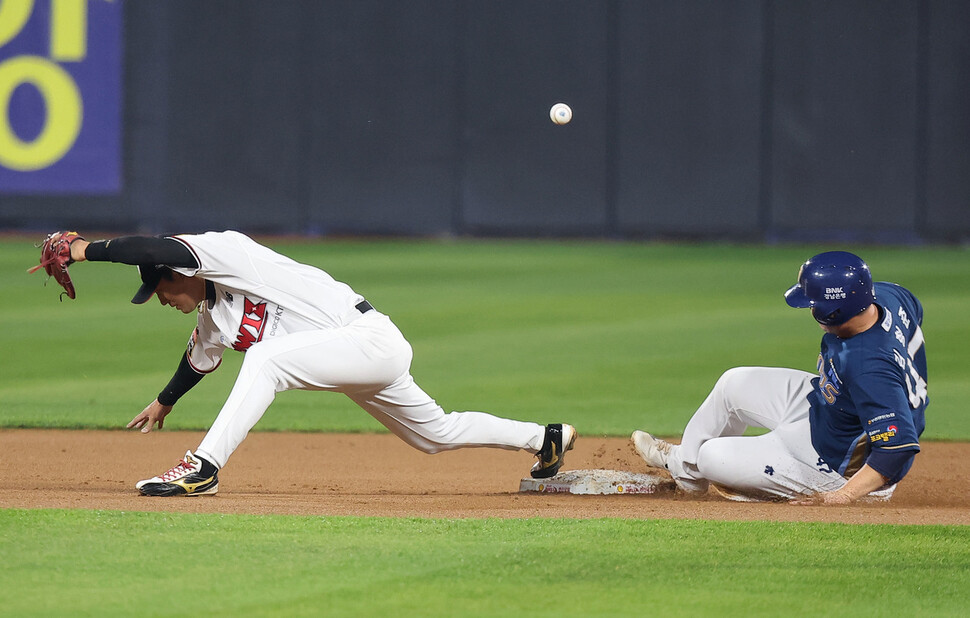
837, 286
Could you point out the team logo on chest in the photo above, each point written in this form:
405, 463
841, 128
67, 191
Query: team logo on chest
252, 325
829, 383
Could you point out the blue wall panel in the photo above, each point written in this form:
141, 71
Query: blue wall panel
689, 116
520, 172
844, 120
383, 121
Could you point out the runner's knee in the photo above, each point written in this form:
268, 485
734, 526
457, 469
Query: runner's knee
731, 378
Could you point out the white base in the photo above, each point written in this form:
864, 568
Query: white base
597, 482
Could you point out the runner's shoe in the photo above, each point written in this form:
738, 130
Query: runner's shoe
654, 451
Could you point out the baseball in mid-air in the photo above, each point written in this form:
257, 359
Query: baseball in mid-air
561, 113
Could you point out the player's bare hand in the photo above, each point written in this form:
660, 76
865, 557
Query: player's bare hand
152, 414
825, 498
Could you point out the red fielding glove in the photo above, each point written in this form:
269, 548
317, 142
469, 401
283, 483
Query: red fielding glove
55, 257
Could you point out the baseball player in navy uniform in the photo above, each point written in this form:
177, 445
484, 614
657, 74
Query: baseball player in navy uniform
299, 329
849, 431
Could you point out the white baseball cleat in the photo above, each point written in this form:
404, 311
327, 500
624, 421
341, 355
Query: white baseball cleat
654, 451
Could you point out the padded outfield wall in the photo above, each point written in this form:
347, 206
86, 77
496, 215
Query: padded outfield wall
750, 120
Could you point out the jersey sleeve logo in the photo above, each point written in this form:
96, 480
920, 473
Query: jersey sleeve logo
882, 417
883, 436
252, 325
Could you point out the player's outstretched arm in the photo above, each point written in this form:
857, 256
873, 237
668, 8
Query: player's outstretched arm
152, 414
862, 482
61, 249
135, 250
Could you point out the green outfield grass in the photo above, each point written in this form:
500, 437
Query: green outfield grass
607, 336
139, 564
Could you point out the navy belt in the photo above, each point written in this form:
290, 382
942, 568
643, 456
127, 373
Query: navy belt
363, 306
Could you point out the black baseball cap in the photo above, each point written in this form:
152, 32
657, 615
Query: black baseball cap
151, 274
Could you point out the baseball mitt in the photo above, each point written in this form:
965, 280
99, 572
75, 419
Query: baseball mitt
55, 257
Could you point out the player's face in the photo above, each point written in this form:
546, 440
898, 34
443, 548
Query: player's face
183, 293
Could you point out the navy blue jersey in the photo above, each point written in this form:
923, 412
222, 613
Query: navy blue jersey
870, 397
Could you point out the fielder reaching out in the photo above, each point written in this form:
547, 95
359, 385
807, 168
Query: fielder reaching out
849, 431
299, 329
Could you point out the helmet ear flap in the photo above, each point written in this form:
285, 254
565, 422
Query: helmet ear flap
830, 319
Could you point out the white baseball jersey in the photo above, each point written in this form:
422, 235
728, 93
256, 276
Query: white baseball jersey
301, 329
259, 294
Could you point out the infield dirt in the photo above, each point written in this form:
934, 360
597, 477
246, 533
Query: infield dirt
379, 475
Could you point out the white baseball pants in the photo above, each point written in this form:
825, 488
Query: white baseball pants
369, 361
779, 464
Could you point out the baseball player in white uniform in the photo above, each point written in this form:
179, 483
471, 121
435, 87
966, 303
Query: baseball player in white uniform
299, 329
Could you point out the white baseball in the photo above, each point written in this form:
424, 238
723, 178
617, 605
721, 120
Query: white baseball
561, 113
